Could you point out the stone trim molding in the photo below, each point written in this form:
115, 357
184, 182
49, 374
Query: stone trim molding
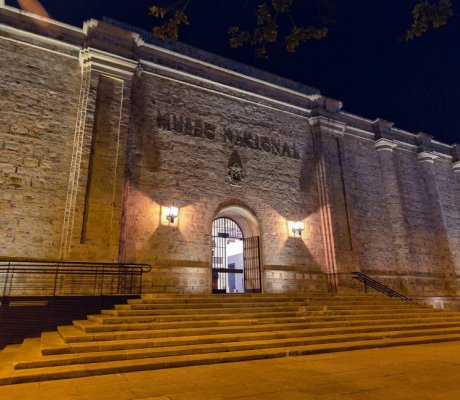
100, 61
456, 166
123, 62
328, 126
385, 144
426, 156
205, 84
75, 164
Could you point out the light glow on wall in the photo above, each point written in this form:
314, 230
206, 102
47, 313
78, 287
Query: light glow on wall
294, 227
169, 216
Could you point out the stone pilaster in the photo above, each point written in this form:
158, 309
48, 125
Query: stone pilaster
93, 209
393, 202
334, 208
83, 129
427, 159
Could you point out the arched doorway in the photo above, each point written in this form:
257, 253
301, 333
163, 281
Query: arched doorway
235, 258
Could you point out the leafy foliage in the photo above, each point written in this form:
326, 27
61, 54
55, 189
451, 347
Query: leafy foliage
428, 15
276, 22
267, 30
170, 27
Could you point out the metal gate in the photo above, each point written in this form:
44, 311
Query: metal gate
251, 256
225, 274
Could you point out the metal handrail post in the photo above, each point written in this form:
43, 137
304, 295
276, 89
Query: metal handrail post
102, 280
55, 279
140, 282
131, 287
6, 279
95, 281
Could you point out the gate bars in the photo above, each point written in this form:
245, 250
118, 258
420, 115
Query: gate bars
223, 229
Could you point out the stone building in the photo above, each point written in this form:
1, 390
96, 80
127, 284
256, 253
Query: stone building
115, 147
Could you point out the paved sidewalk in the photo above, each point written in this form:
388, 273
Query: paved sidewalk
424, 372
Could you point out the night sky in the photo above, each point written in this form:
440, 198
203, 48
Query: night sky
362, 62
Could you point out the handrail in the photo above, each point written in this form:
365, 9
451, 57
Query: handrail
63, 278
380, 287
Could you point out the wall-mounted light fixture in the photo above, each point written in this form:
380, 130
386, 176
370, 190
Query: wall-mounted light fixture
297, 228
171, 214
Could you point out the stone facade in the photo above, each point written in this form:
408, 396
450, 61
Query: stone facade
102, 128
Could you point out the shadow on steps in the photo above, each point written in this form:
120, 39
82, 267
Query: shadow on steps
28, 317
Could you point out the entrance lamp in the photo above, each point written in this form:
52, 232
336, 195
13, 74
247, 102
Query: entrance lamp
171, 214
298, 227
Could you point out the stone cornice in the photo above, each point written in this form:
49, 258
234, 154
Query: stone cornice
107, 63
456, 166
426, 156
382, 128
122, 45
328, 126
327, 103
455, 151
385, 144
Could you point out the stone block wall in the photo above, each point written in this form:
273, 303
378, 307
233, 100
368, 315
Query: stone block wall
101, 131
38, 93
169, 168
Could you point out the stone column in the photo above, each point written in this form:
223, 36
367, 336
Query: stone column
334, 208
394, 208
427, 159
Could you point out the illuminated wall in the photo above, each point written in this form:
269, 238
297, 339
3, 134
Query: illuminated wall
101, 131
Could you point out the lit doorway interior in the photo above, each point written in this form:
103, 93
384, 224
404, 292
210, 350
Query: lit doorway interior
235, 259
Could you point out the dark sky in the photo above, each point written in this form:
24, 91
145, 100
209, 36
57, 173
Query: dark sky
362, 62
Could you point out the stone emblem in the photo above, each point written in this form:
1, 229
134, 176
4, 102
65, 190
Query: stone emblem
235, 174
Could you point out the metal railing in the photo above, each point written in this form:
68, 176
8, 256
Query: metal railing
65, 278
376, 285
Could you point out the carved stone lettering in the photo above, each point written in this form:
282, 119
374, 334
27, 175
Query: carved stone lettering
209, 131
188, 127
228, 136
198, 128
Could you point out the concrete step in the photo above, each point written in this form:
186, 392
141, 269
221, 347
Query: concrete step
207, 321
212, 311
248, 312
106, 356
162, 331
248, 326
253, 296
237, 307
101, 368
70, 334
258, 296
80, 342
8, 356
263, 300
191, 317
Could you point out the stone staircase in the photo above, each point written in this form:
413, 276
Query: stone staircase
166, 331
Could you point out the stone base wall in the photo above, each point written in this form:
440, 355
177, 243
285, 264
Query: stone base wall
279, 281
69, 284
440, 302
177, 280
414, 285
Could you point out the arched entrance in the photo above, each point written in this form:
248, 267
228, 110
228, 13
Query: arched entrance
235, 254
